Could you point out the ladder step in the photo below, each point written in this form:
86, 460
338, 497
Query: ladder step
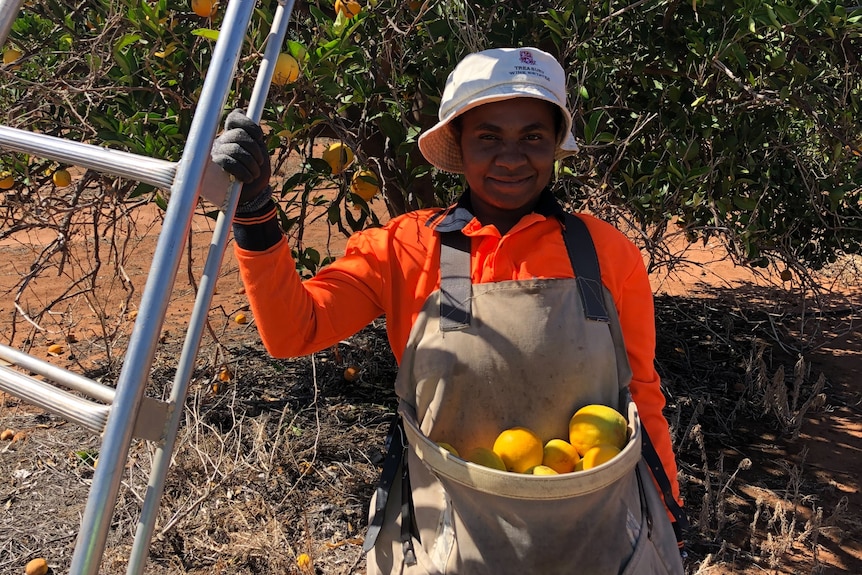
88, 414
158, 173
152, 415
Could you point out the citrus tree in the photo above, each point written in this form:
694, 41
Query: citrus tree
737, 119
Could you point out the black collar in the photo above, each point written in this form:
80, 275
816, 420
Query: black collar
455, 217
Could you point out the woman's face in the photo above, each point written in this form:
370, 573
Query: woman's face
508, 153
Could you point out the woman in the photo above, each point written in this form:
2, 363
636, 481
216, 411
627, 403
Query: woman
492, 328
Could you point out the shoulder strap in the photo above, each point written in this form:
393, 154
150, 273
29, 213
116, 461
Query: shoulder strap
585, 263
455, 284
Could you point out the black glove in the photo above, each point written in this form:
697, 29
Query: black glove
241, 151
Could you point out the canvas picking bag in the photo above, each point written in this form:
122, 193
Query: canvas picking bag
483, 358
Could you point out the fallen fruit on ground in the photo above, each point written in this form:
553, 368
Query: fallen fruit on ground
365, 184
599, 454
351, 372
38, 566
203, 8
595, 424
55, 348
486, 457
286, 70
224, 374
7, 435
303, 561
11, 55
349, 8
519, 448
240, 318
448, 447
62, 178
338, 156
560, 455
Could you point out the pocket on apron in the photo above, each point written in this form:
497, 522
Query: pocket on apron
476, 520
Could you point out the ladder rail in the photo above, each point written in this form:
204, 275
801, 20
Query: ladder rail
206, 288
101, 502
8, 12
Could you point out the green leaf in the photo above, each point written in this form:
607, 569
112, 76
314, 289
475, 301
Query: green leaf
207, 33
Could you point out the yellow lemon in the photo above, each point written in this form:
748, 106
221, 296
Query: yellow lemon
448, 447
55, 349
349, 8
362, 187
519, 448
286, 70
486, 457
338, 156
6, 180
542, 470
303, 561
62, 178
203, 8
12, 55
595, 424
240, 318
560, 455
599, 454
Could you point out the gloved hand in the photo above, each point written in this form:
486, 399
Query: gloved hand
241, 151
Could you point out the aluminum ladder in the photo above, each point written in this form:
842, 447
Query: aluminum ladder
124, 413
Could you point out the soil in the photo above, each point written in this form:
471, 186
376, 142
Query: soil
279, 458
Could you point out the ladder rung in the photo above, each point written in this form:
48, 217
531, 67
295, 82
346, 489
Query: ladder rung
91, 415
152, 415
159, 173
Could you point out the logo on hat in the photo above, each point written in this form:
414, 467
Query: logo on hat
527, 58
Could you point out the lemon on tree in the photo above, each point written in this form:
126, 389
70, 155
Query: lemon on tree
519, 448
349, 8
338, 156
365, 184
62, 178
204, 8
595, 424
286, 70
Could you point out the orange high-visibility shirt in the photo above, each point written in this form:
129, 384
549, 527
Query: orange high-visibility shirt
392, 270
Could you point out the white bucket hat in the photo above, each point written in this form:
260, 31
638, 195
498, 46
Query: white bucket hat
491, 76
